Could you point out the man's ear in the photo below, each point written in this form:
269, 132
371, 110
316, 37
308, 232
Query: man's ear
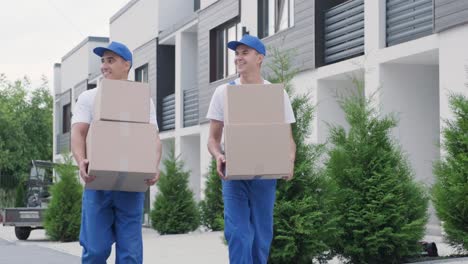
260, 58
128, 65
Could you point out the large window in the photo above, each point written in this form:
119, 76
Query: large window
221, 58
66, 115
274, 16
141, 74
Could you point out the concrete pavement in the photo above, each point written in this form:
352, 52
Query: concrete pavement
196, 247
12, 253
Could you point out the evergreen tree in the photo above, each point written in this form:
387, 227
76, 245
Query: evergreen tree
20, 199
450, 193
304, 220
175, 210
63, 215
212, 207
7, 198
383, 210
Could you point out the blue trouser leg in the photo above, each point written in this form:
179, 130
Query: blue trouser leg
248, 216
128, 208
262, 200
237, 228
109, 216
96, 234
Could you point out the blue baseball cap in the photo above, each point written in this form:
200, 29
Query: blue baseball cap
249, 41
116, 47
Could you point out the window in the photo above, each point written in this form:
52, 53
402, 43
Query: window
196, 5
66, 117
141, 74
221, 58
274, 16
91, 86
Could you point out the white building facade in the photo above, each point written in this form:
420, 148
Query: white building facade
410, 54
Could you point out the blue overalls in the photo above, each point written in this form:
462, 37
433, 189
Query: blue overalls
248, 219
108, 217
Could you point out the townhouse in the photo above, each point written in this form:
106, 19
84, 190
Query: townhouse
410, 54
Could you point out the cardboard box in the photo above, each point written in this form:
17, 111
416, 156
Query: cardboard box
254, 104
123, 101
121, 155
259, 151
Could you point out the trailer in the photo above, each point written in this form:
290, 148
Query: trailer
37, 196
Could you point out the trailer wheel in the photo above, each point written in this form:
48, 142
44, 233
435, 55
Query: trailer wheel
22, 232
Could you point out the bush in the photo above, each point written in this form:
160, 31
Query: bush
212, 207
9, 182
383, 210
304, 220
63, 215
20, 199
175, 210
7, 198
450, 192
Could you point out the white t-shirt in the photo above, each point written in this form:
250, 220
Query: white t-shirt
83, 111
216, 109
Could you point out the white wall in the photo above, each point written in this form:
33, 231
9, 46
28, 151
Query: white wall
190, 154
136, 26
249, 16
75, 68
374, 28
328, 110
453, 59
57, 78
173, 11
57, 90
94, 62
167, 146
206, 3
205, 157
412, 92
304, 83
189, 63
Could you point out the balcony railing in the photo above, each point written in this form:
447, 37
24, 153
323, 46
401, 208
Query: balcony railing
190, 107
344, 31
408, 20
168, 112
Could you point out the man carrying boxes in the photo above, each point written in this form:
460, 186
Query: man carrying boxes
259, 148
115, 142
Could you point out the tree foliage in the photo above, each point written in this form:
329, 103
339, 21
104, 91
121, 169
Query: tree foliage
450, 193
25, 128
175, 210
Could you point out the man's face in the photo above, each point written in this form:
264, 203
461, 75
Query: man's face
114, 67
247, 59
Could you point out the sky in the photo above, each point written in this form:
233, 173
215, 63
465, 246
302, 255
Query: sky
35, 34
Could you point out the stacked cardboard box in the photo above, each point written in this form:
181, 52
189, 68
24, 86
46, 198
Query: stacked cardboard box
256, 138
121, 144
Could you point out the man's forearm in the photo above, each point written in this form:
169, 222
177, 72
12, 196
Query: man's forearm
214, 148
293, 151
78, 147
158, 152
292, 155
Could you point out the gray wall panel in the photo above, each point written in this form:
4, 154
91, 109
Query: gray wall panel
209, 18
450, 13
299, 38
146, 54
